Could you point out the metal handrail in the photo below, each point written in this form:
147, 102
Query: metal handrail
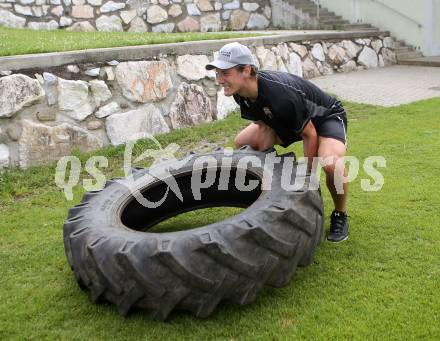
400, 13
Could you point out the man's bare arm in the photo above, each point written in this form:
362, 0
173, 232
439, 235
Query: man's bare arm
310, 139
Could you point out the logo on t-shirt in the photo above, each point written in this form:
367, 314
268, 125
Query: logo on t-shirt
267, 112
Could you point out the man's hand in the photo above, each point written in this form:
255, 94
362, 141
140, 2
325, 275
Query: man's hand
310, 139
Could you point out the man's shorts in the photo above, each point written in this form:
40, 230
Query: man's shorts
334, 127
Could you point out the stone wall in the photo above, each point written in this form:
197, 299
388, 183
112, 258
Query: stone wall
46, 113
136, 15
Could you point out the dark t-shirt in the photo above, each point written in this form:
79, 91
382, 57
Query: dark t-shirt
286, 103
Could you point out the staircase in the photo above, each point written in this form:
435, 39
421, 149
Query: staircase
405, 53
327, 20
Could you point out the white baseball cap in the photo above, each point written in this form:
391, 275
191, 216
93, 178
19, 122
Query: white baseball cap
231, 55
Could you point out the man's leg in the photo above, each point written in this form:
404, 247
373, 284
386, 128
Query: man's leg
332, 151
258, 135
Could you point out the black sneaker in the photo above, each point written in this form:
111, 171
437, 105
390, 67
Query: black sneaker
338, 227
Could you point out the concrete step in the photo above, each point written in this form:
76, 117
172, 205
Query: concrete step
401, 43
398, 44
303, 3
306, 27
322, 11
423, 61
332, 23
402, 49
300, 3
370, 29
308, 7
357, 25
314, 12
409, 55
354, 27
326, 16
313, 27
326, 27
332, 19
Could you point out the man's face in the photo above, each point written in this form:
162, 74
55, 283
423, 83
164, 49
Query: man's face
231, 80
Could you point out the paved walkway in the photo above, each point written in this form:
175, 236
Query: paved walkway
389, 86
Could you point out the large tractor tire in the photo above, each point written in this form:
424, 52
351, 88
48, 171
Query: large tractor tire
115, 258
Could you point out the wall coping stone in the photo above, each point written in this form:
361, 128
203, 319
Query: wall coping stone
143, 52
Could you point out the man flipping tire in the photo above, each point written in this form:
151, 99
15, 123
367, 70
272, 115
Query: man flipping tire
286, 108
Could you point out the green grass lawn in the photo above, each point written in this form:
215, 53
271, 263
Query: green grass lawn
26, 41
383, 283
